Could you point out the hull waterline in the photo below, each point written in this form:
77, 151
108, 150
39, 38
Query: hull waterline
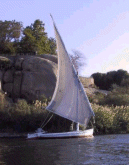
74, 134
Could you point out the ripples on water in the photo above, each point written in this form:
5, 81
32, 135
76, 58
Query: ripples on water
100, 150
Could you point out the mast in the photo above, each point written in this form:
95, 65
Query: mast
77, 124
77, 127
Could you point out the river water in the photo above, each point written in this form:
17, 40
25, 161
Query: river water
100, 150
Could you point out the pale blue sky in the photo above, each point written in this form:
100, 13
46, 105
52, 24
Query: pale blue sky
97, 28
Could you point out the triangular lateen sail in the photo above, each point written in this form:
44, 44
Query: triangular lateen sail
69, 99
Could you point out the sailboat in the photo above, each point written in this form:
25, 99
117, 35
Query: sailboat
69, 99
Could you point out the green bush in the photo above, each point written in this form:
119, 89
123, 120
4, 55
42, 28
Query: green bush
111, 119
4, 63
117, 97
96, 98
121, 119
103, 119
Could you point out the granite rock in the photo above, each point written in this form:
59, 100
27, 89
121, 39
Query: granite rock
30, 77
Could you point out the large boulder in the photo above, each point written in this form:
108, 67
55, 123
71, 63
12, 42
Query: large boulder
30, 77
0, 78
8, 76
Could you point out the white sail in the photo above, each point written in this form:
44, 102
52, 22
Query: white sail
69, 99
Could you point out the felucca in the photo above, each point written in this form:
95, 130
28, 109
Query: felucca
69, 99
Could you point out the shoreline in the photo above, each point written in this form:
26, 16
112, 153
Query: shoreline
24, 135
13, 135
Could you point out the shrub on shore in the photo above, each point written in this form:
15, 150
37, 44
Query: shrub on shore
111, 119
24, 117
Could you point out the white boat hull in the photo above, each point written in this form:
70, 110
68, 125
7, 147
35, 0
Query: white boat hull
73, 134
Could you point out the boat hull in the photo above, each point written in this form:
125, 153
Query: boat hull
74, 134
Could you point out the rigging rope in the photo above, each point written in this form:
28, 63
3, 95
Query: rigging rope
44, 120
47, 121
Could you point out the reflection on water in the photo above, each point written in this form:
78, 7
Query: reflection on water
108, 149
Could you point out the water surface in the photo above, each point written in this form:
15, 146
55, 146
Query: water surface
107, 149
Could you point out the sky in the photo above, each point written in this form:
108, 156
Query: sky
99, 29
